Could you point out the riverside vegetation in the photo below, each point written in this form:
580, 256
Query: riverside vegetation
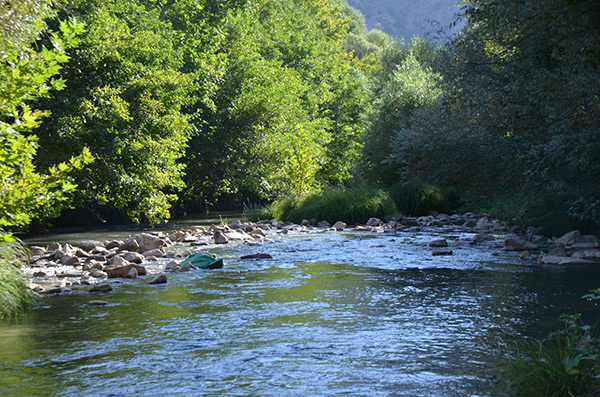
134, 110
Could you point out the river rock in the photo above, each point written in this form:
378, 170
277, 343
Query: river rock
148, 242
116, 271
441, 251
585, 242
98, 273
568, 238
187, 267
51, 289
438, 243
133, 257
80, 253
257, 234
374, 222
141, 270
156, 253
257, 256
130, 245
557, 249
339, 226
54, 247
113, 244
118, 261
305, 222
37, 251
525, 255
519, 245
479, 237
559, 260
90, 245
220, 238
161, 279
586, 253
323, 224
172, 266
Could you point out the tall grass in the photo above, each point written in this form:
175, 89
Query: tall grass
15, 295
351, 206
566, 363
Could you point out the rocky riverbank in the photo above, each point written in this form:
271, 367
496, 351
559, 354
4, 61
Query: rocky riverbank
94, 266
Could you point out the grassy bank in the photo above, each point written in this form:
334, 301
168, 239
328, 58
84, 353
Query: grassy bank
350, 205
15, 296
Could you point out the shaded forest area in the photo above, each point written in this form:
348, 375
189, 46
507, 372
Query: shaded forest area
138, 109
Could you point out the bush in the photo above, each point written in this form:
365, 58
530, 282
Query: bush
412, 199
351, 206
566, 363
15, 295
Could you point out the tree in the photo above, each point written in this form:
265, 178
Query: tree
28, 73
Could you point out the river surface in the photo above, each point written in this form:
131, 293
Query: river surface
346, 313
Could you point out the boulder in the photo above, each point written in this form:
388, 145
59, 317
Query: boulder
116, 271
479, 237
519, 245
425, 220
148, 242
484, 224
557, 249
187, 267
118, 261
51, 289
160, 279
257, 233
37, 251
172, 266
526, 255
130, 245
441, 251
156, 253
133, 257
586, 253
69, 260
90, 245
569, 238
585, 242
113, 244
339, 226
98, 273
305, 222
81, 253
559, 260
374, 222
141, 270
438, 243
323, 224
220, 238
54, 247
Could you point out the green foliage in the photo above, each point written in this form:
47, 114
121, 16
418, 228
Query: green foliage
124, 99
15, 295
566, 363
410, 87
289, 106
351, 206
26, 74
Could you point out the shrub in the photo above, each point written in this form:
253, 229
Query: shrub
412, 199
15, 295
351, 206
566, 363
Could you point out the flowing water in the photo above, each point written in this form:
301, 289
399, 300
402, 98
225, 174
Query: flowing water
347, 313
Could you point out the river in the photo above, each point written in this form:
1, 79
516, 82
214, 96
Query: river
332, 313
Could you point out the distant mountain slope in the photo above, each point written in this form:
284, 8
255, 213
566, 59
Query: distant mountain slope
406, 18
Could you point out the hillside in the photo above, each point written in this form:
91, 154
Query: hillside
406, 18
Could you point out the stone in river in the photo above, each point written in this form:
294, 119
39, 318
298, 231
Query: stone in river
519, 245
441, 251
161, 279
438, 243
119, 271
339, 226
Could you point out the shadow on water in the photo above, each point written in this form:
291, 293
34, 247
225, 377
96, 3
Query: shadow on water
329, 314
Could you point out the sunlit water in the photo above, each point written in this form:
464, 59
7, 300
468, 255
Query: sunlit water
331, 314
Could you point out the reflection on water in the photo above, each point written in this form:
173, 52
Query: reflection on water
331, 313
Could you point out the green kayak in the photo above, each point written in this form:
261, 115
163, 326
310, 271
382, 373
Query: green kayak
202, 261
